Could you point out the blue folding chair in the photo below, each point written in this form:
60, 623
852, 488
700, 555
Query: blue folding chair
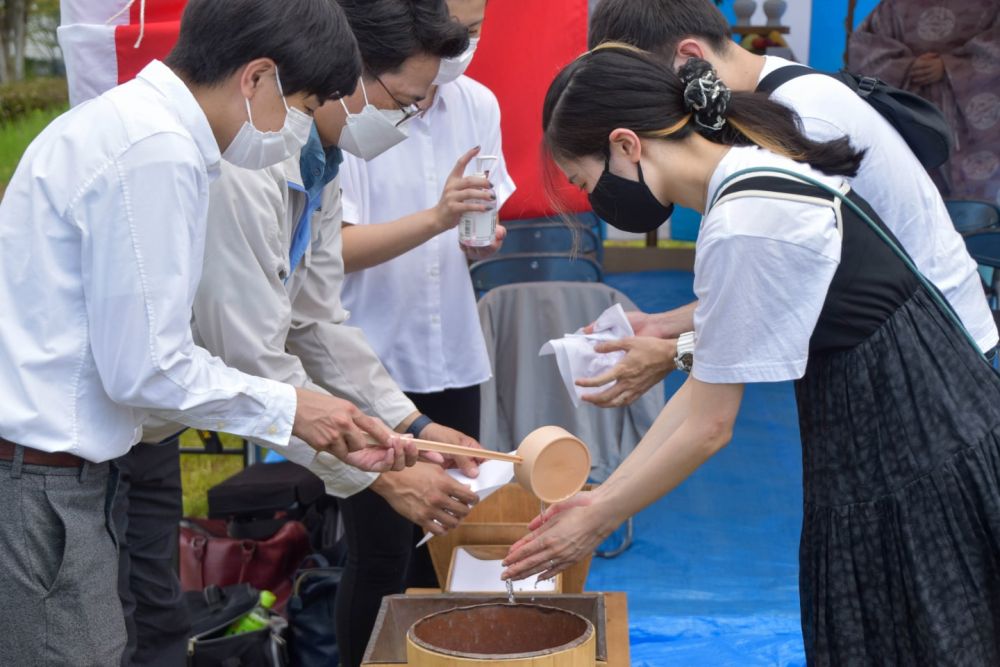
969, 215
532, 267
550, 237
984, 247
587, 221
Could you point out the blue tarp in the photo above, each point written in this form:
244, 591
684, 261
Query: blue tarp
712, 574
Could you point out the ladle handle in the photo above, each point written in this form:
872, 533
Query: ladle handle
459, 450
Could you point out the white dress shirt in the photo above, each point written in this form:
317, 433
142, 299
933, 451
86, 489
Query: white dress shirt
897, 187
419, 309
101, 241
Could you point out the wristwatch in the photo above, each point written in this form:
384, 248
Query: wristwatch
685, 352
418, 425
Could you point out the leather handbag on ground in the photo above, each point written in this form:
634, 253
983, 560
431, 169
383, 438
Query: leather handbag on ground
920, 123
313, 640
209, 556
212, 611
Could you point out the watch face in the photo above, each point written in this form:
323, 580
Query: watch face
685, 361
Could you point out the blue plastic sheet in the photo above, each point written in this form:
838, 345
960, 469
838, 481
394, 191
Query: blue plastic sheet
712, 573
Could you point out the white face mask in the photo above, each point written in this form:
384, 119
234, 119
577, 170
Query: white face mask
371, 132
452, 68
254, 149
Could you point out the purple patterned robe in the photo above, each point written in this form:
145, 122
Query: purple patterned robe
966, 34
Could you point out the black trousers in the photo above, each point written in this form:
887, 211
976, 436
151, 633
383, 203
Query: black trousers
381, 559
146, 512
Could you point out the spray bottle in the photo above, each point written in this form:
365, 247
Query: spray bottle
478, 228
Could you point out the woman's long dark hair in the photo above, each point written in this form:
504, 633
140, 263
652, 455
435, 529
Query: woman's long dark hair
620, 86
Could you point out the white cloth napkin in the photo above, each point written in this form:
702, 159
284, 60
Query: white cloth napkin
575, 354
492, 475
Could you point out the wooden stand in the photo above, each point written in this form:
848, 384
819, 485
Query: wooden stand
501, 519
608, 611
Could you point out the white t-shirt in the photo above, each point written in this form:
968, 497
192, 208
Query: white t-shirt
894, 182
762, 270
419, 309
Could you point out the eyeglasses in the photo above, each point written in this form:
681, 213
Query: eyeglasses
409, 110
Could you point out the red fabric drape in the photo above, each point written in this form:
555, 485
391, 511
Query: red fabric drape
524, 45
157, 40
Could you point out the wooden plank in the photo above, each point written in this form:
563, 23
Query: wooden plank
616, 628
624, 260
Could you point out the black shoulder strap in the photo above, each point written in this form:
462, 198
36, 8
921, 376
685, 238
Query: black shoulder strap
781, 76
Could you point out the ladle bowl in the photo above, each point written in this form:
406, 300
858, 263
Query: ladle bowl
554, 465
551, 463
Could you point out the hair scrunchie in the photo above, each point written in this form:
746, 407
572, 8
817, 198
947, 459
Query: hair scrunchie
705, 96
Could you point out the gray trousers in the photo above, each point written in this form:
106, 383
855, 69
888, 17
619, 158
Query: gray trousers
59, 567
147, 510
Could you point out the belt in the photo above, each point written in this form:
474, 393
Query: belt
37, 457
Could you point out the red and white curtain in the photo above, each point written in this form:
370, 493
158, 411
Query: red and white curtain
107, 42
524, 44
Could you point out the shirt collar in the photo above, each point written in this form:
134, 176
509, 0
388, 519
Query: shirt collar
190, 113
318, 166
438, 104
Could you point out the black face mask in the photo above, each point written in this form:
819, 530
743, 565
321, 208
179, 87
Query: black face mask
628, 205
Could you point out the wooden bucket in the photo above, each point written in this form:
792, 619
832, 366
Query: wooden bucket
497, 634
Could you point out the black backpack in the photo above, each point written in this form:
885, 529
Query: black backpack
920, 123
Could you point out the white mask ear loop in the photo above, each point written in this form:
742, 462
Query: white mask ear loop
281, 91
363, 92
249, 115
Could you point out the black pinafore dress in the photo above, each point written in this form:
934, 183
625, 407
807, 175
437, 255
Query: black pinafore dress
899, 558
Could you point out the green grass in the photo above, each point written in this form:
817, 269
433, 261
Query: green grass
15, 137
200, 472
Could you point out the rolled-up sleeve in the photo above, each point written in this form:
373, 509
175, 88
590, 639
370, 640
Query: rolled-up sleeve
140, 264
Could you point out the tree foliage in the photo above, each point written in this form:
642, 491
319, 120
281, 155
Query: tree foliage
23, 22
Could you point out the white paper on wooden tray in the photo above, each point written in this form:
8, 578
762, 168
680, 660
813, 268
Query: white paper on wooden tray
492, 475
474, 575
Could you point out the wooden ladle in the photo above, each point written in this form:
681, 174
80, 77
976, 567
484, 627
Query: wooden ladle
550, 462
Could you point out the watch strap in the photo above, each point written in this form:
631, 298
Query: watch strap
418, 425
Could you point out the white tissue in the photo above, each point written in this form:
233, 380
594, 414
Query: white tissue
492, 475
577, 359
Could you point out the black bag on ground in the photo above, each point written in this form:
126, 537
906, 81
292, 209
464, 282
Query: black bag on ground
261, 498
215, 609
920, 123
313, 639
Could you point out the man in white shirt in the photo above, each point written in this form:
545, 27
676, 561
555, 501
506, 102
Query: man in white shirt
101, 238
408, 286
891, 178
269, 304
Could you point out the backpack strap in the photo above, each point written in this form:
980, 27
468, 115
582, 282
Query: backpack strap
781, 76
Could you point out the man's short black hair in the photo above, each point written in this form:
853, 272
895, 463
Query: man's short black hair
391, 31
310, 41
658, 26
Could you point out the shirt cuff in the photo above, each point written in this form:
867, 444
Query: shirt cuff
394, 408
274, 428
340, 479
748, 374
